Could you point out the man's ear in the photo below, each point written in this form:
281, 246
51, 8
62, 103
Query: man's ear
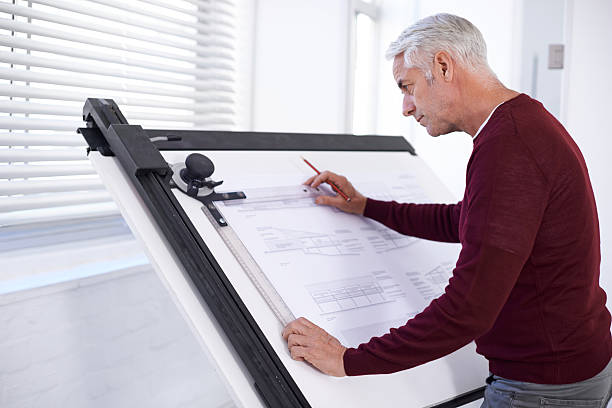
444, 65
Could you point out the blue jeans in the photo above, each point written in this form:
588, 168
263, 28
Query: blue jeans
592, 393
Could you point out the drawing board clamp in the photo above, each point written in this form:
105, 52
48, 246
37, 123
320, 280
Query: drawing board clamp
221, 250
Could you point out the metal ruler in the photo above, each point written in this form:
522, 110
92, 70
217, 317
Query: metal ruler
251, 268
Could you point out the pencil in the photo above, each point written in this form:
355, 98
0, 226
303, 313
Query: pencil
331, 183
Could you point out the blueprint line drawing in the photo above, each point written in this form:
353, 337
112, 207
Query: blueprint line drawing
439, 275
347, 294
383, 239
431, 284
350, 275
281, 239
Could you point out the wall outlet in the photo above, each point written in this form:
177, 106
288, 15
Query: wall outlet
555, 56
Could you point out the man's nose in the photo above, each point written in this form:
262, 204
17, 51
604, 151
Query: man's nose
408, 107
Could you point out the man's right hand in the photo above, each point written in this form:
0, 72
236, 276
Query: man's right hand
357, 203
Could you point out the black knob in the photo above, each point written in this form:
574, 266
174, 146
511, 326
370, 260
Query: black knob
197, 167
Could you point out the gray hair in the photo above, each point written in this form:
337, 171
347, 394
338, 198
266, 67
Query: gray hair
440, 32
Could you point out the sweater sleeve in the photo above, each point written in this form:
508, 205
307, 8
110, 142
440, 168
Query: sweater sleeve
435, 222
504, 205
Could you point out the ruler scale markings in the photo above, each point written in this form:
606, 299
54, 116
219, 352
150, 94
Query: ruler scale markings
252, 269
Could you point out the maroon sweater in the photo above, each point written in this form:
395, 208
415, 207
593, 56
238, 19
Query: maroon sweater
526, 284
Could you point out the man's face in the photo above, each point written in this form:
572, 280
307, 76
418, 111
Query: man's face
429, 104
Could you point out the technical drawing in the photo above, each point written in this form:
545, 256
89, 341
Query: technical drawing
408, 190
347, 294
431, 284
384, 239
366, 277
439, 275
404, 189
280, 239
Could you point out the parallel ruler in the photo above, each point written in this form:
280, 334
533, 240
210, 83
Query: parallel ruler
252, 269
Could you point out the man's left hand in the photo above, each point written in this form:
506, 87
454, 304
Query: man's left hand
308, 342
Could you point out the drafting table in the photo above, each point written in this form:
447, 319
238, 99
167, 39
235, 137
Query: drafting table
227, 312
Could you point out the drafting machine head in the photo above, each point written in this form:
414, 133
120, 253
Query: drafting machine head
193, 176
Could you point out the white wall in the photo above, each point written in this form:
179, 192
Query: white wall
300, 66
394, 17
586, 107
542, 24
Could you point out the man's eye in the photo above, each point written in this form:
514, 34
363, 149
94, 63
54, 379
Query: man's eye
407, 89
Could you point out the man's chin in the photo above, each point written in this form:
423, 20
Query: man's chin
433, 132
439, 132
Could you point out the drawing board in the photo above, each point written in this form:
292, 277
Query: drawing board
357, 280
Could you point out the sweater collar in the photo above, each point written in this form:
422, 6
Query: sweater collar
518, 97
485, 122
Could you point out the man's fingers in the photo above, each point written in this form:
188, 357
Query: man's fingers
325, 177
288, 330
317, 180
299, 353
309, 181
334, 201
298, 326
304, 321
297, 340
310, 343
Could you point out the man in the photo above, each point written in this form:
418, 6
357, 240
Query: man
526, 284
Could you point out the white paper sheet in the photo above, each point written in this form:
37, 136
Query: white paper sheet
346, 273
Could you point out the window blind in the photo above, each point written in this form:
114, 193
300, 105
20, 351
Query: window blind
169, 64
